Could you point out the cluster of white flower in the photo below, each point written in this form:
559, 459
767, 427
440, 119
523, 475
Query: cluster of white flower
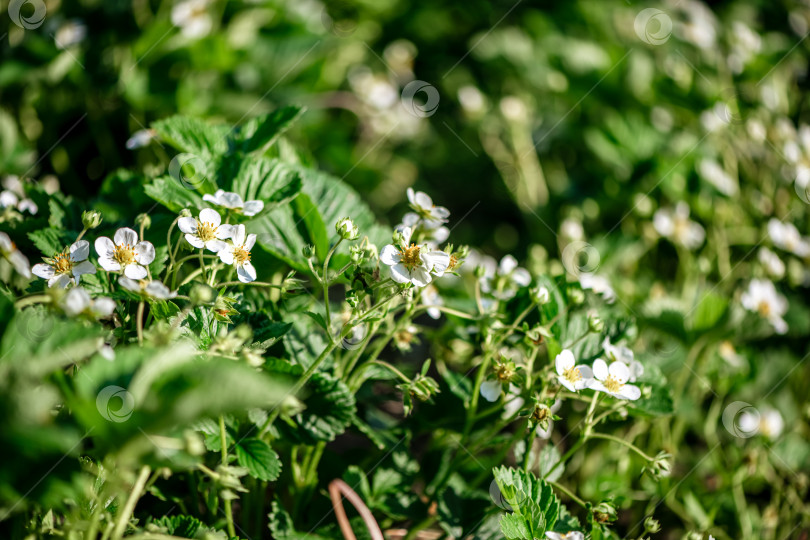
611, 379
676, 226
208, 232
13, 196
419, 262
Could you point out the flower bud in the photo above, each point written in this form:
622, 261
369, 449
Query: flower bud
652, 525
143, 220
604, 512
308, 251
185, 212
346, 228
201, 294
357, 254
91, 219
576, 296
595, 323
540, 295
480, 272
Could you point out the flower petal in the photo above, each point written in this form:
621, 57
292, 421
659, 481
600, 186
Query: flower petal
129, 284
250, 242
390, 255
226, 256
436, 261
45, 271
104, 246
215, 246
84, 267
564, 360
187, 225
60, 281
109, 264
103, 307
491, 390
600, 369
252, 208
400, 274
566, 383
420, 277
144, 252
619, 371
135, 271
246, 273
228, 199
225, 231
125, 236
423, 200
238, 235
79, 250
585, 371
209, 215
629, 391
195, 241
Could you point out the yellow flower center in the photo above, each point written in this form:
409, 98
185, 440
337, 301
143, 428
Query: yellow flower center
62, 263
240, 255
764, 308
572, 374
124, 254
540, 413
410, 257
613, 384
453, 262
206, 230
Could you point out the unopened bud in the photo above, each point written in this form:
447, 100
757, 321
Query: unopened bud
346, 228
308, 251
185, 212
143, 220
540, 295
91, 219
201, 294
595, 323
652, 525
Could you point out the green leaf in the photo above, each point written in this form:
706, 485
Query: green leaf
282, 528
174, 194
658, 404
535, 507
709, 312
281, 231
259, 459
262, 131
56, 214
330, 409
308, 213
260, 178
193, 135
48, 241
182, 526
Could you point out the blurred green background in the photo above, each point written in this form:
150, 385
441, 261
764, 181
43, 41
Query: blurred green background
545, 109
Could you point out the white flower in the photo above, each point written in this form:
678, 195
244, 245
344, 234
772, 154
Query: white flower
773, 265
78, 302
13, 255
233, 201
70, 33
433, 236
152, 289
413, 264
712, 172
620, 353
598, 284
126, 254
206, 231
9, 199
570, 375
141, 138
65, 268
676, 226
422, 204
573, 535
762, 297
769, 422
192, 17
786, 236
611, 380
510, 277
491, 390
431, 297
238, 254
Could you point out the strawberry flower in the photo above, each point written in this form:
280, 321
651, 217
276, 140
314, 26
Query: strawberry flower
125, 254
238, 254
206, 231
65, 268
612, 380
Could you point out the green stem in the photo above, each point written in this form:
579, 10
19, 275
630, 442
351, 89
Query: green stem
529, 445
629, 445
224, 446
202, 264
129, 507
392, 369
30, 300
568, 492
251, 283
139, 322
325, 283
